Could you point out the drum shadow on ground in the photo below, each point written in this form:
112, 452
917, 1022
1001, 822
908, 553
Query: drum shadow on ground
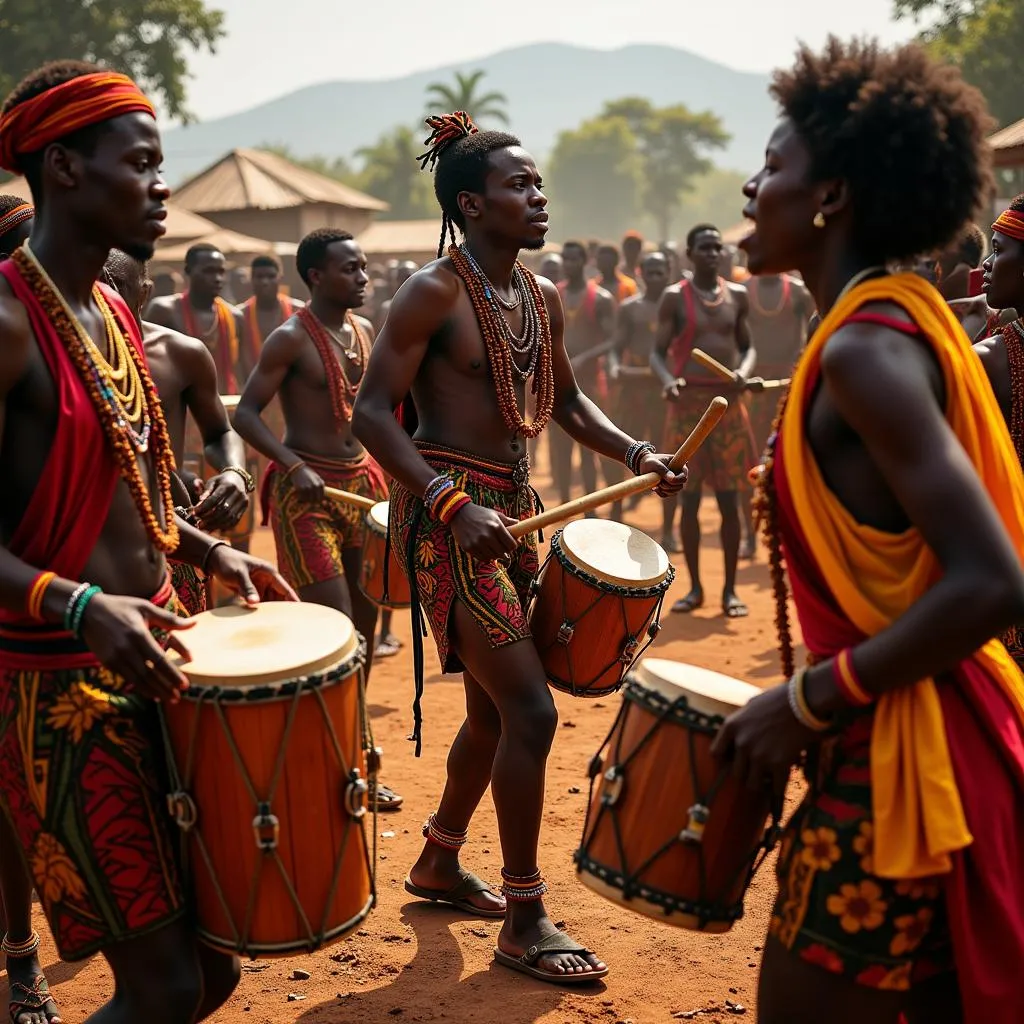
688, 626
380, 710
431, 985
756, 573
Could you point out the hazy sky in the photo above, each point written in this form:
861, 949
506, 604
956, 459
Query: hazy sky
274, 46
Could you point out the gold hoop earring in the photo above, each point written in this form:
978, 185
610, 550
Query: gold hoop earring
819, 220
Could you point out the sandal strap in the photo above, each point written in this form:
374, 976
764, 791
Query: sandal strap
35, 997
468, 885
557, 943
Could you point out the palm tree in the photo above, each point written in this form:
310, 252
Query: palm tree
462, 95
391, 172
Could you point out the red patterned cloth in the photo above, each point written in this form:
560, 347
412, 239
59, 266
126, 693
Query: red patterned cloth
310, 538
82, 773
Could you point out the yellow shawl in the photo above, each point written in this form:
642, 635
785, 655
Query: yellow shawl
875, 577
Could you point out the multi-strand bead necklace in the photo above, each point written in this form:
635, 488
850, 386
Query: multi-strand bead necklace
341, 390
122, 393
532, 346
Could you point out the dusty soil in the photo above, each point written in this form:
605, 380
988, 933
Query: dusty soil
413, 962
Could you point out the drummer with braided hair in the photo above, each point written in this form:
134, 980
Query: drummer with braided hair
894, 501
16, 218
464, 338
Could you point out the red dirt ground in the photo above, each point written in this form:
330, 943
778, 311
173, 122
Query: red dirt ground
417, 963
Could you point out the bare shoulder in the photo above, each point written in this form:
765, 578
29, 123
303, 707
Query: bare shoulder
739, 292
992, 353
604, 296
161, 310
364, 323
552, 300
289, 337
16, 338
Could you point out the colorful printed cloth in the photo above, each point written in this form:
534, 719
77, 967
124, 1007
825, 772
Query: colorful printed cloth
310, 538
495, 594
724, 459
763, 406
189, 586
832, 909
82, 774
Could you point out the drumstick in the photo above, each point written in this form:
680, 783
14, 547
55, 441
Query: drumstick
714, 412
712, 364
349, 498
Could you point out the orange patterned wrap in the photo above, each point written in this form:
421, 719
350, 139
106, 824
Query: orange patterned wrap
1010, 222
87, 100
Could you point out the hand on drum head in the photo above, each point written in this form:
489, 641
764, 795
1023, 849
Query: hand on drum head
764, 740
671, 483
250, 578
483, 533
222, 503
117, 631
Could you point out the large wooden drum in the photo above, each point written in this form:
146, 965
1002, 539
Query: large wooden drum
598, 604
375, 556
670, 833
269, 751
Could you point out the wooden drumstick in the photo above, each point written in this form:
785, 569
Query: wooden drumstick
714, 412
349, 498
712, 364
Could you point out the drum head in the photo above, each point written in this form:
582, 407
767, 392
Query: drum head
377, 517
707, 692
271, 643
230, 402
614, 552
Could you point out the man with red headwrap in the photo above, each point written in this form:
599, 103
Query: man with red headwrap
87, 520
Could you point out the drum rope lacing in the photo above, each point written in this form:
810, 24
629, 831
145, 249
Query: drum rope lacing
266, 825
631, 649
629, 881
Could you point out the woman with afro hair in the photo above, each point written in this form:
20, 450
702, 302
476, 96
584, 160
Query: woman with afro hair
892, 498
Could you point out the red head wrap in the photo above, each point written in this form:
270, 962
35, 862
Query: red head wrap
1010, 222
78, 103
10, 220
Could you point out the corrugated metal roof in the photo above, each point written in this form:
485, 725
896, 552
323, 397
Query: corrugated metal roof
247, 179
1009, 137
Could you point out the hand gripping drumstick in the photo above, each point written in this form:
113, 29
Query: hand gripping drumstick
349, 498
712, 364
714, 412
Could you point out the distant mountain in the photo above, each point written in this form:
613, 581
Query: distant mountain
550, 87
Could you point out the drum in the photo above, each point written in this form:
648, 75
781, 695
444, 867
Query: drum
598, 604
670, 832
375, 546
269, 749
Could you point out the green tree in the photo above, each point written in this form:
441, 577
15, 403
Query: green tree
671, 142
593, 179
984, 38
147, 39
443, 98
715, 197
391, 172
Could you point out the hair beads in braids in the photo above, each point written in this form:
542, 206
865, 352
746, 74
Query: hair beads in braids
446, 129
766, 512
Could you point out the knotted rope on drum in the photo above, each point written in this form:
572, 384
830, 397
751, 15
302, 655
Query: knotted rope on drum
629, 880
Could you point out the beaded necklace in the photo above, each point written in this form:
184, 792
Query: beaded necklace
341, 390
766, 514
1013, 339
755, 298
719, 296
500, 342
110, 403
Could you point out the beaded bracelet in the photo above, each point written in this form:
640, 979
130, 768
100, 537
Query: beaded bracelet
439, 496
83, 602
847, 682
636, 451
453, 504
436, 487
36, 593
799, 706
69, 608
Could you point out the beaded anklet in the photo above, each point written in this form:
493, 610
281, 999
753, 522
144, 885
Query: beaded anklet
523, 889
433, 833
20, 950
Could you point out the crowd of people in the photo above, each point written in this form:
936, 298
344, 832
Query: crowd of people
888, 485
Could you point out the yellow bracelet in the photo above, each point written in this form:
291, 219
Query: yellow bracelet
36, 593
